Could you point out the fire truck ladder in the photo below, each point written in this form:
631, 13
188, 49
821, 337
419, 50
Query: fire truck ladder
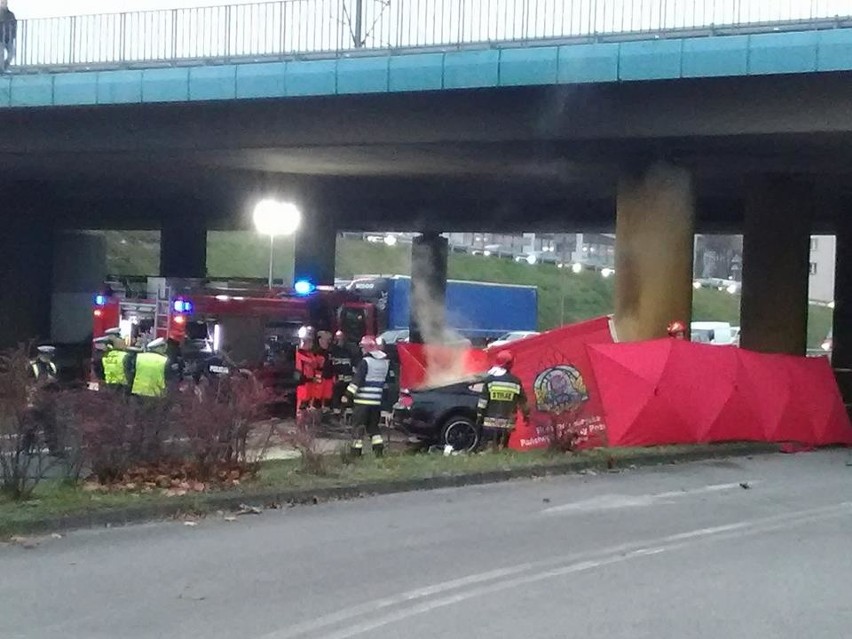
163, 313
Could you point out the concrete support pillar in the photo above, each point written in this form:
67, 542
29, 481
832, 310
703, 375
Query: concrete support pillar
316, 250
653, 251
776, 251
183, 248
26, 262
429, 254
79, 270
841, 332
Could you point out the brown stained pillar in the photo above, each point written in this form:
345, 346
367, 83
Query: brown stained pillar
655, 228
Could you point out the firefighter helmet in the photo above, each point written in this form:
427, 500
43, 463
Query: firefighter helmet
505, 359
676, 328
339, 335
369, 344
306, 332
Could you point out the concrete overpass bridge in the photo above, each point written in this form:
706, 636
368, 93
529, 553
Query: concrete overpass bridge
654, 118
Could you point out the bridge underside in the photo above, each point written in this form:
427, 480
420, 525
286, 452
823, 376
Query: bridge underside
553, 159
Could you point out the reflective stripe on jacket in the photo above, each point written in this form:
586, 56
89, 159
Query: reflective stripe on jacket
502, 396
368, 386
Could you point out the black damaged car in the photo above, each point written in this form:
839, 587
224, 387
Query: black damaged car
441, 415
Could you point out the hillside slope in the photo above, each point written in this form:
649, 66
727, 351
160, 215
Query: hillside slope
563, 295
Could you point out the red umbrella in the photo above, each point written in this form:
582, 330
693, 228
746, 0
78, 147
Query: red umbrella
670, 391
737, 419
637, 397
814, 391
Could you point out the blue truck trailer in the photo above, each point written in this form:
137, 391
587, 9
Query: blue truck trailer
478, 310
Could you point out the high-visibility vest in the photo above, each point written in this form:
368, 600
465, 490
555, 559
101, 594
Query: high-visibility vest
368, 386
150, 379
113, 363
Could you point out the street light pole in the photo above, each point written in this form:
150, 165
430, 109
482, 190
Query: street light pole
272, 218
271, 257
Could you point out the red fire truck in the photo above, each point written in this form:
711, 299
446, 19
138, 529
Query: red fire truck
235, 323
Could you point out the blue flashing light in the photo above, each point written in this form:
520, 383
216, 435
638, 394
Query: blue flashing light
100, 300
182, 306
303, 287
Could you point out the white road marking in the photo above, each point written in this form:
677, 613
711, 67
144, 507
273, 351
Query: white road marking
610, 556
614, 502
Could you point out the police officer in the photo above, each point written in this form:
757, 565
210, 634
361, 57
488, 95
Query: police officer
100, 347
343, 369
150, 370
365, 392
42, 368
502, 396
115, 361
42, 409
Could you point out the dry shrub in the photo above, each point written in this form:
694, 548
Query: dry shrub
216, 419
304, 439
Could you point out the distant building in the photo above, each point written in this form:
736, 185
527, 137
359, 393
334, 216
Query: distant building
821, 279
592, 250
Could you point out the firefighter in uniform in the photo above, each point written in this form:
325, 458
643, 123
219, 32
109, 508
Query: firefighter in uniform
342, 369
150, 371
502, 396
306, 369
677, 330
366, 392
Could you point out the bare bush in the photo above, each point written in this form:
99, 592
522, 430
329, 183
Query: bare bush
304, 439
216, 419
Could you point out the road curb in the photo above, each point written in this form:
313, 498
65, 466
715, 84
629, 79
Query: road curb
207, 503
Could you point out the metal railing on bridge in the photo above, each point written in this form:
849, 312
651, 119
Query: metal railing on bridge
329, 28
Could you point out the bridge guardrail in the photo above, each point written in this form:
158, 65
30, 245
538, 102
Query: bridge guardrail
332, 28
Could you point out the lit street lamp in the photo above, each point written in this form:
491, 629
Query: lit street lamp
577, 268
272, 217
390, 240
531, 259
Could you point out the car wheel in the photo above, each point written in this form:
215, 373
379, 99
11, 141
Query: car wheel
461, 433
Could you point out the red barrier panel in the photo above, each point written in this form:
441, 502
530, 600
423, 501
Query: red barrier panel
675, 392
558, 379
424, 364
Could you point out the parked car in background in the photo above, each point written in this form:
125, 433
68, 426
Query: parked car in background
718, 333
512, 336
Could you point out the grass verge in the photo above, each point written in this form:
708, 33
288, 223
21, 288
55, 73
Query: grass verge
59, 506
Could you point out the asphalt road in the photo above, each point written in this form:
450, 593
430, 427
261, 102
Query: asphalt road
678, 551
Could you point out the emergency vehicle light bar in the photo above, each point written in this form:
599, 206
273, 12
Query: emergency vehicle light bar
304, 287
182, 306
100, 300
